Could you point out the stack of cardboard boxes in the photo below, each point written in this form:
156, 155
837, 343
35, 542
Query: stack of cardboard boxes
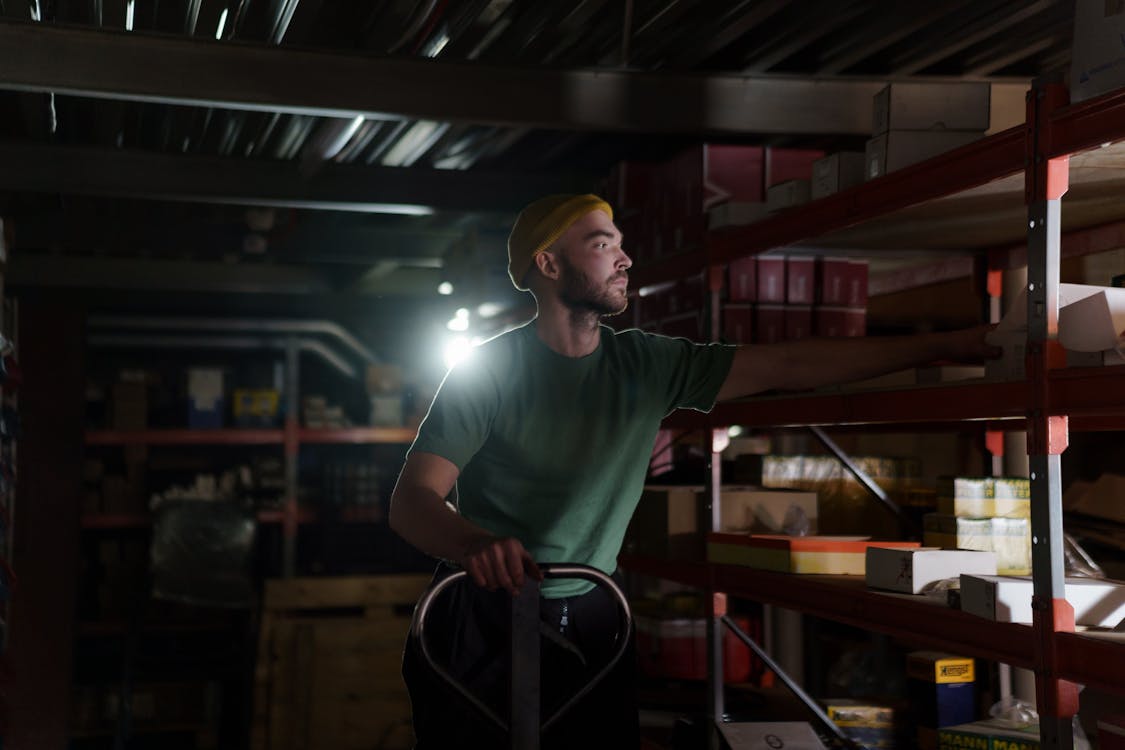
984, 513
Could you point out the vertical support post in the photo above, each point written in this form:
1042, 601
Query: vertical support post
292, 445
523, 718
717, 602
1045, 183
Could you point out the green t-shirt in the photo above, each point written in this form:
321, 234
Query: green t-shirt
554, 450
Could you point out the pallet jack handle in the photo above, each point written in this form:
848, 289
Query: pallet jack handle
524, 727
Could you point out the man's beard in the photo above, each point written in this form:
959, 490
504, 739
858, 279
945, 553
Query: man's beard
582, 295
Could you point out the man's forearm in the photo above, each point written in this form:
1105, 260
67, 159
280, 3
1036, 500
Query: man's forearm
812, 363
422, 518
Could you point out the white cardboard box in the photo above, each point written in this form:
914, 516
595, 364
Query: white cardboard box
911, 570
837, 172
1097, 60
896, 149
932, 106
1094, 323
1096, 603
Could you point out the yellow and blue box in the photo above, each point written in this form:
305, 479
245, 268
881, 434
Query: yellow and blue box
941, 688
871, 725
256, 407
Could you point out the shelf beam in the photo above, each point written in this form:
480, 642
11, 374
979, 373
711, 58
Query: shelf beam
845, 599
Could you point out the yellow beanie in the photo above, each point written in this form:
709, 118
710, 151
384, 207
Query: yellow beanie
543, 222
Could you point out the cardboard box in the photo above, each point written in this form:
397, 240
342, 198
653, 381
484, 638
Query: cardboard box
769, 324
870, 725
800, 281
1097, 603
738, 324
837, 172
1095, 323
771, 279
932, 107
940, 668
742, 280
794, 554
1097, 60
841, 282
788, 194
988, 735
896, 149
839, 322
984, 497
910, 571
1009, 538
206, 400
798, 322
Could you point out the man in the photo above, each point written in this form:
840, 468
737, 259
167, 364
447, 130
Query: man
547, 432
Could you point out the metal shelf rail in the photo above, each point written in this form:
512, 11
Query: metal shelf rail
1048, 403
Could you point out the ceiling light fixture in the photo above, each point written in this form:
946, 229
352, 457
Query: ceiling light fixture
445, 288
222, 23
129, 7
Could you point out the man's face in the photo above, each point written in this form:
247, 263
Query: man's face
594, 268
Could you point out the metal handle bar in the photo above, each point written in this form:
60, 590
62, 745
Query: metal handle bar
549, 570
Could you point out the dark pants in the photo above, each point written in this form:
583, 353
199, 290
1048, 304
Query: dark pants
468, 629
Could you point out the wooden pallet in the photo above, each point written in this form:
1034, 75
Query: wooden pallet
329, 661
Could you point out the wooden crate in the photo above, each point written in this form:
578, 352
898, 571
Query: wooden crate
329, 662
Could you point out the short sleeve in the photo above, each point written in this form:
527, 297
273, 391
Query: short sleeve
694, 372
461, 414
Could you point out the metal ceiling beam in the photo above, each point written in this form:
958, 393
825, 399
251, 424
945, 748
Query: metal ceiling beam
89, 272
141, 67
141, 274
91, 171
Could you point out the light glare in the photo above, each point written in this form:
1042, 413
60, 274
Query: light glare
445, 288
456, 350
222, 24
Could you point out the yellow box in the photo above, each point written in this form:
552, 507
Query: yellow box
940, 668
258, 402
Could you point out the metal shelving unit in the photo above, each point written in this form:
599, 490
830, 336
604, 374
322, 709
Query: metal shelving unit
1047, 404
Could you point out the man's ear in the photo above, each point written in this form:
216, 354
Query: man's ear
548, 264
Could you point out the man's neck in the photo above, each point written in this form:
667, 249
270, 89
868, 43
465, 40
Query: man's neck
570, 333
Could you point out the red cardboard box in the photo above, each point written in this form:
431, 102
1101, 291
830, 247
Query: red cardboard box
800, 281
771, 279
738, 324
677, 648
857, 284
769, 324
742, 280
841, 282
839, 322
798, 322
